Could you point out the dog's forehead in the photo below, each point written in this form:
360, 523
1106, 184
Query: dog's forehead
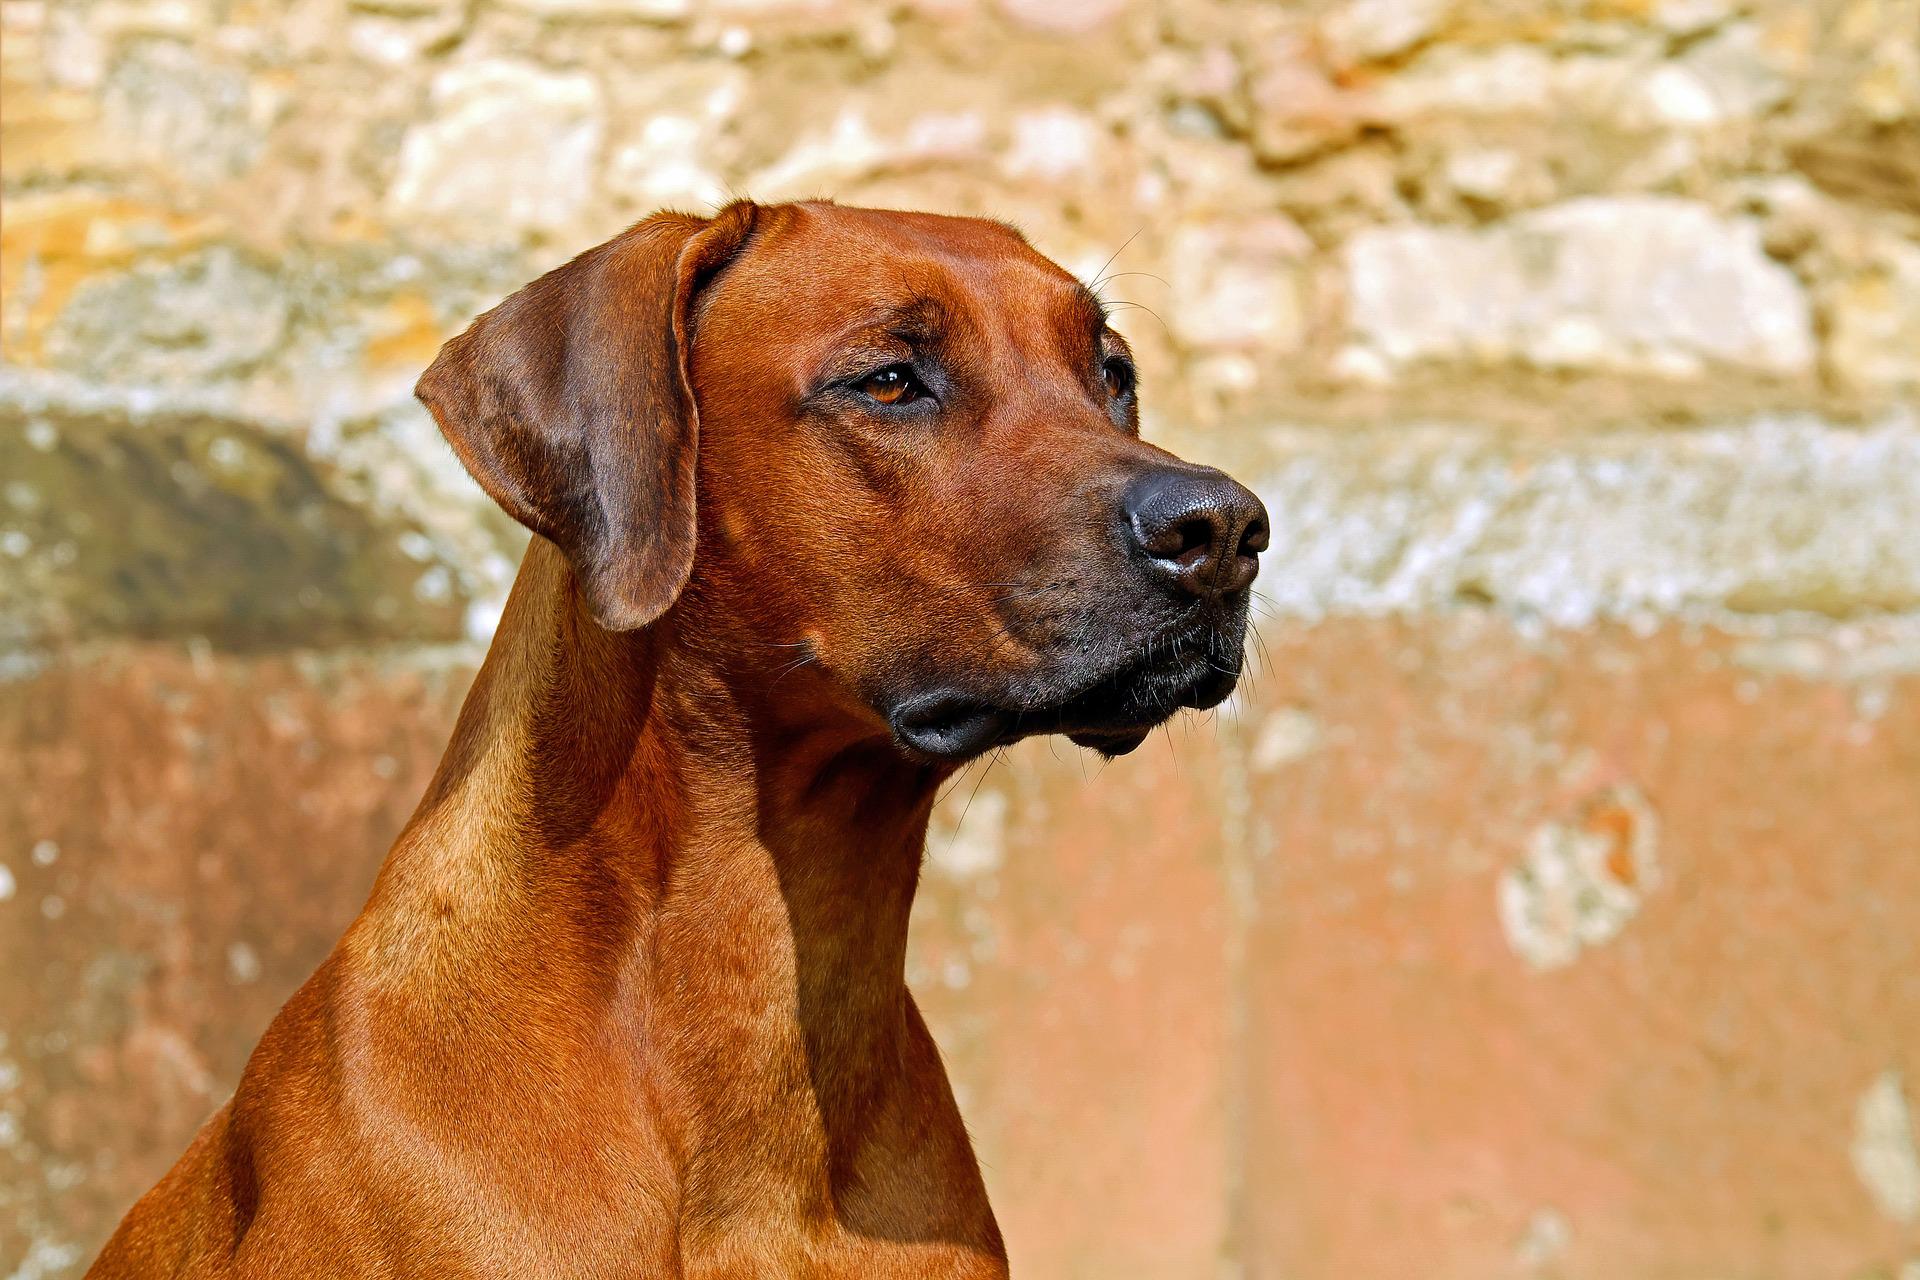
844, 265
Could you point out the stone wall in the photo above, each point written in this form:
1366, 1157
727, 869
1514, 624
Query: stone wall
1548, 905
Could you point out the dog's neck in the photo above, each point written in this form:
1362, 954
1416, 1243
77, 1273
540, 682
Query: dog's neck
728, 873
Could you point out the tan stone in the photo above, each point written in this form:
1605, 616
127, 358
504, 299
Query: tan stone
860, 143
187, 116
1887, 86
1296, 106
1063, 17
205, 316
1629, 282
48, 133
1367, 30
1511, 79
1237, 284
664, 166
1052, 145
53, 243
641, 10
1874, 322
509, 145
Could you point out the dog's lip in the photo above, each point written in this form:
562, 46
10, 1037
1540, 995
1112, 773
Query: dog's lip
1109, 743
951, 725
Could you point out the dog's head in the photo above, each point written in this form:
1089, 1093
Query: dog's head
898, 449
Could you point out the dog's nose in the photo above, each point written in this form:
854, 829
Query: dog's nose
1199, 527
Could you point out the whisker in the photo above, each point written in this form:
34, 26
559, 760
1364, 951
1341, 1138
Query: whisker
992, 760
1099, 277
790, 668
1141, 306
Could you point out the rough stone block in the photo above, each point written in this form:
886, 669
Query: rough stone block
1767, 517
1237, 284
507, 144
1874, 340
1638, 283
179, 526
1714, 1082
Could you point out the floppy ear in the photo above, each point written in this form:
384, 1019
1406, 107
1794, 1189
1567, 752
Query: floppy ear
569, 403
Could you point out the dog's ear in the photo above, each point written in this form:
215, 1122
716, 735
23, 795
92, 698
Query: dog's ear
569, 403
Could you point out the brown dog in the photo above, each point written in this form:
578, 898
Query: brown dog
829, 501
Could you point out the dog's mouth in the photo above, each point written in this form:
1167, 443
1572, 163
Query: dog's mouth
1111, 713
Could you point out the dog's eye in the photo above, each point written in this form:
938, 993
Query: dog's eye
893, 385
1119, 377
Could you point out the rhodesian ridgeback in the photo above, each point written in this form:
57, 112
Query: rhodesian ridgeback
828, 502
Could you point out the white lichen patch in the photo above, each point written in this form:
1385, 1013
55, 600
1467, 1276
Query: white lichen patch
243, 964
1581, 881
46, 1259
1545, 1239
1884, 1154
1289, 734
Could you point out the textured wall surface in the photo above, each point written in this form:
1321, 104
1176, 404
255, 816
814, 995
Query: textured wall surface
1547, 906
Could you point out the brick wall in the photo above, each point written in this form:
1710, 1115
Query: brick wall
1548, 905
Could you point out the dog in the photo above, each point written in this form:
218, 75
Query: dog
827, 502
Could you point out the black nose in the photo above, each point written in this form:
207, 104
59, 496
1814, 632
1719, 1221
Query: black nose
1199, 527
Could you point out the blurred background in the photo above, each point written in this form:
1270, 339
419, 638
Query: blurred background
1547, 904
